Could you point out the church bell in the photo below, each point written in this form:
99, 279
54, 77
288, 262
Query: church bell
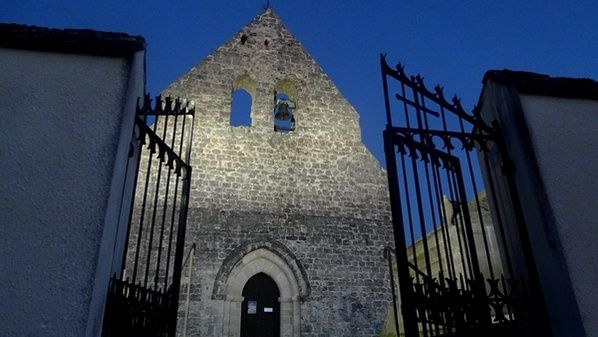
282, 112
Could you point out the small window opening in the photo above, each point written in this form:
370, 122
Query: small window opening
240, 114
284, 119
266, 43
243, 39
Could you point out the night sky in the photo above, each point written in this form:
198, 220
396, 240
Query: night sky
449, 42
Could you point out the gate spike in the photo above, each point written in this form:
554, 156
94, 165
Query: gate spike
147, 102
420, 81
158, 104
168, 104
177, 106
457, 103
171, 157
161, 152
178, 165
152, 145
141, 136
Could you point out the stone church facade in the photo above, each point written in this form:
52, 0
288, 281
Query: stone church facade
308, 208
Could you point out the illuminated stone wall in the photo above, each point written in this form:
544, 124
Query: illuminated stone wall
316, 191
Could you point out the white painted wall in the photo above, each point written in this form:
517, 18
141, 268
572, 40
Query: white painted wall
553, 145
564, 135
65, 128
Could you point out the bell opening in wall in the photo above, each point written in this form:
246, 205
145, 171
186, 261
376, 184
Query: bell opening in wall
284, 107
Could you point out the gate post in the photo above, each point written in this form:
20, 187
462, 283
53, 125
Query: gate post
406, 290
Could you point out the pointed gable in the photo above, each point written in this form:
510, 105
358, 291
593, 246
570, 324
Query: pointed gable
262, 57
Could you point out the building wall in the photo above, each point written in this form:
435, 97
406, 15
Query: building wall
550, 141
563, 135
316, 191
65, 131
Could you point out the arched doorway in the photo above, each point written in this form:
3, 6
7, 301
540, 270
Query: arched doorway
260, 315
280, 265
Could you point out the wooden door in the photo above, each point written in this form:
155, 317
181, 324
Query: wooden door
260, 315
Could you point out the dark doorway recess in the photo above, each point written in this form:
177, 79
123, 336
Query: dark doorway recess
260, 315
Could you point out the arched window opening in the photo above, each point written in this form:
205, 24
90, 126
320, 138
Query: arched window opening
240, 114
242, 93
285, 106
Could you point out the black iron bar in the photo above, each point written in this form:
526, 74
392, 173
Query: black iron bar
174, 207
438, 249
470, 240
180, 246
407, 305
190, 138
430, 161
144, 202
137, 152
457, 216
464, 137
389, 252
420, 211
385, 88
506, 299
450, 185
417, 271
479, 289
409, 216
405, 107
461, 205
443, 222
161, 155
478, 206
418, 111
423, 230
166, 194
455, 222
407, 102
460, 222
424, 323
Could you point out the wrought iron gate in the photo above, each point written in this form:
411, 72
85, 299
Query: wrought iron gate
143, 295
459, 268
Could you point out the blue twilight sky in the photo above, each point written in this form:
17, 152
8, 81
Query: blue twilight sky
449, 42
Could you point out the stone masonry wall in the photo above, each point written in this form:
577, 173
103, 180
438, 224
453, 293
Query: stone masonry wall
317, 190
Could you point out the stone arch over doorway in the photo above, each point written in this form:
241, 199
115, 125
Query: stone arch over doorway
274, 260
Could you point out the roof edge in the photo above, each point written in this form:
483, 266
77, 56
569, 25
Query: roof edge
543, 85
72, 41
